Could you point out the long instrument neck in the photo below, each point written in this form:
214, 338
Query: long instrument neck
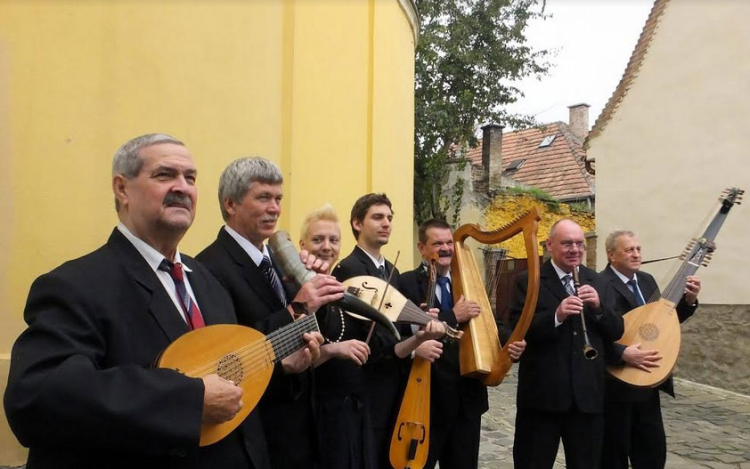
288, 339
694, 257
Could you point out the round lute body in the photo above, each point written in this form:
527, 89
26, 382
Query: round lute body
656, 327
223, 349
236, 353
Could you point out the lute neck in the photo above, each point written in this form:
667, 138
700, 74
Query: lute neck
288, 339
695, 254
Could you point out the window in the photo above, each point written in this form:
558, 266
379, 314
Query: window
514, 165
547, 141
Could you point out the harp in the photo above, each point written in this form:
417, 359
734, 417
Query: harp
481, 354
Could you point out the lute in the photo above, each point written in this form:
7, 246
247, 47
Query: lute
656, 325
236, 353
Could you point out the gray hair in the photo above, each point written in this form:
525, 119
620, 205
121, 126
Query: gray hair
127, 160
239, 176
611, 243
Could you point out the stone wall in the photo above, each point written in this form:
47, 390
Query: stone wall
716, 348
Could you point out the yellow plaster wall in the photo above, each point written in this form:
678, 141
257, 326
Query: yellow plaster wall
324, 88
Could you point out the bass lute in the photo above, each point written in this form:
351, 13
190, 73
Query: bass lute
656, 325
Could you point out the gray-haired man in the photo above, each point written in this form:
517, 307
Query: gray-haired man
250, 193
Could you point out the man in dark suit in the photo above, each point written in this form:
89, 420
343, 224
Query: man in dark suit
560, 392
633, 426
386, 369
456, 403
250, 193
82, 390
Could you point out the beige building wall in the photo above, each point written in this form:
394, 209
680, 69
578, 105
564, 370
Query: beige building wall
677, 139
323, 88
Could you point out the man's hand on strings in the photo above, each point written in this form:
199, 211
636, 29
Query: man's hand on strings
692, 288
301, 360
465, 310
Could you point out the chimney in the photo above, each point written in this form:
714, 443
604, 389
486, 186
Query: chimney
492, 152
578, 120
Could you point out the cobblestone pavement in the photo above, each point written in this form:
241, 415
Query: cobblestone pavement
706, 428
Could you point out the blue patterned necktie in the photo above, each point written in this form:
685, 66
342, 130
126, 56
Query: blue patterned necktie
383, 274
446, 297
633, 284
568, 284
273, 279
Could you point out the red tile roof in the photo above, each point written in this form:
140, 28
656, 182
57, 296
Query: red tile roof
557, 169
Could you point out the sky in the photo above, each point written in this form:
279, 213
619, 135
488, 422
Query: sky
593, 40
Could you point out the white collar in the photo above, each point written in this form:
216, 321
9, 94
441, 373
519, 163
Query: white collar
255, 254
151, 255
560, 273
377, 262
621, 276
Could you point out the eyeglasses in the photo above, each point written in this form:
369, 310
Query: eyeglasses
568, 245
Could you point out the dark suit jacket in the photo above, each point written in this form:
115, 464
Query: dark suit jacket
553, 375
451, 393
620, 299
285, 408
384, 372
82, 391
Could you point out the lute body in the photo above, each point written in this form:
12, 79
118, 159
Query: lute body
656, 325
236, 353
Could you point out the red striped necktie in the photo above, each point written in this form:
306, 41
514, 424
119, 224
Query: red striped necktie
193, 314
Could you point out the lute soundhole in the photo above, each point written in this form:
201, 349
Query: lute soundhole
230, 368
648, 332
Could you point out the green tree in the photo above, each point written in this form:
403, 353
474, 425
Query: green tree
469, 55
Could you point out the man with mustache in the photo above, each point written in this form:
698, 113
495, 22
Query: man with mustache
82, 390
560, 392
250, 193
456, 403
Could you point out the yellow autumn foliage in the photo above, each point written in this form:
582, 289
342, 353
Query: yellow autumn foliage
507, 207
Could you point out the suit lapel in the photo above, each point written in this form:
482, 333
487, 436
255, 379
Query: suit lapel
203, 295
250, 272
550, 279
621, 288
161, 306
648, 287
366, 262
